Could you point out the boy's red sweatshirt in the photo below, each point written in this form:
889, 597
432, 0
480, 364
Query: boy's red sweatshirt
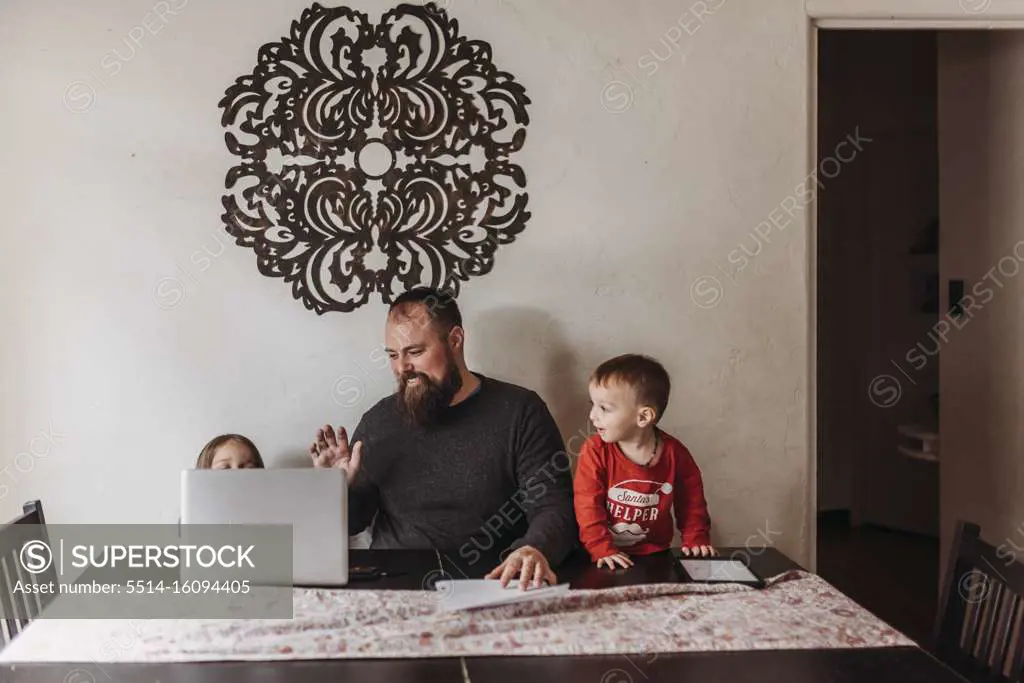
623, 507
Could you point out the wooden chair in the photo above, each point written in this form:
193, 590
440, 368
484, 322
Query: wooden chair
18, 609
978, 630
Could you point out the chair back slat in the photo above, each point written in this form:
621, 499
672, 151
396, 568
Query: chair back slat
20, 608
952, 611
972, 627
988, 621
10, 622
978, 629
1016, 671
1002, 627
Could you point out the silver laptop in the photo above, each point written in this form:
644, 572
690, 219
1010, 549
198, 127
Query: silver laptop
313, 501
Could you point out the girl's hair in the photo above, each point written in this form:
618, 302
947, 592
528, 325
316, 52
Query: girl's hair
205, 459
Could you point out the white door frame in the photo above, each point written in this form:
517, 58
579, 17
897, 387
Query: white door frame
870, 14
916, 14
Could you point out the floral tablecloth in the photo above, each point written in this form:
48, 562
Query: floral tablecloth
796, 610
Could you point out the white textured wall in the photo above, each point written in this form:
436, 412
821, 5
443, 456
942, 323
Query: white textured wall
635, 193
982, 242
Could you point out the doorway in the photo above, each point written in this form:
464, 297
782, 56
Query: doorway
974, 344
878, 299
897, 466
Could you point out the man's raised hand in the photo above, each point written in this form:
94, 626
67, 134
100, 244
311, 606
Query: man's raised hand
331, 449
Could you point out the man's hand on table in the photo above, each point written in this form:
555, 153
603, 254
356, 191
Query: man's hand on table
332, 450
698, 551
529, 563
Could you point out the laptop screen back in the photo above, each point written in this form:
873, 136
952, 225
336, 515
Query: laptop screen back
313, 501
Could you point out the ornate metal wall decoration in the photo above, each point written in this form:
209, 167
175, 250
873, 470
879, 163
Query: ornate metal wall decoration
374, 157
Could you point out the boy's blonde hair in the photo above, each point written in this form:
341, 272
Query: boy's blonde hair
205, 459
644, 375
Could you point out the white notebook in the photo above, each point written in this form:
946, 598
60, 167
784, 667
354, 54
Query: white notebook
461, 594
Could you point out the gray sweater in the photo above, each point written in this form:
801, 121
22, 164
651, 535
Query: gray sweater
491, 476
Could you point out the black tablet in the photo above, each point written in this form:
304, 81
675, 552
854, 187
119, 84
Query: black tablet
719, 570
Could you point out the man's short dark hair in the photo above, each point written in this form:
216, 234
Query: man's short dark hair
644, 375
440, 307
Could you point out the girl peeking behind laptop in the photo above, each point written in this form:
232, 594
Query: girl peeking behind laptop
229, 452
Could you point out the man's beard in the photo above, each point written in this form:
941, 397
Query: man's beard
423, 404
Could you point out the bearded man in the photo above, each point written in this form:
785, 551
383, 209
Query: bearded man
455, 461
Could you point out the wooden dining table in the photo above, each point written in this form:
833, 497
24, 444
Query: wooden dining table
419, 569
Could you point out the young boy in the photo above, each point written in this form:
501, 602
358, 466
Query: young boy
631, 474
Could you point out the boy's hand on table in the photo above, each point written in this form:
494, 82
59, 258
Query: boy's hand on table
698, 551
529, 563
610, 561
